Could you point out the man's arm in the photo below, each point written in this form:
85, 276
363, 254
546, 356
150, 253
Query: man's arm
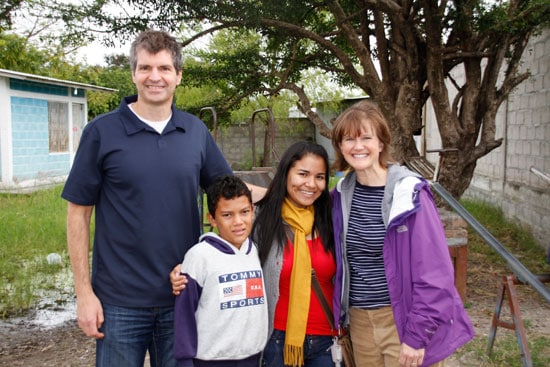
258, 192
89, 310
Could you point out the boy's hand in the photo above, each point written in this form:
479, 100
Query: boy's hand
178, 280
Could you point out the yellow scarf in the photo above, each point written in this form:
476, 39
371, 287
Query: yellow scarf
301, 221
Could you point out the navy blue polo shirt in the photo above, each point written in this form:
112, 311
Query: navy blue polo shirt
144, 187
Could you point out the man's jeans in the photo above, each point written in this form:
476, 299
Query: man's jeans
131, 332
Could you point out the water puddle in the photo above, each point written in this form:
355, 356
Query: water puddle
56, 305
49, 316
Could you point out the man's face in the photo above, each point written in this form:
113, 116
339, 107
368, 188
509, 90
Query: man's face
155, 77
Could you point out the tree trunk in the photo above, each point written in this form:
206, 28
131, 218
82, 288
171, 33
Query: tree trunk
455, 172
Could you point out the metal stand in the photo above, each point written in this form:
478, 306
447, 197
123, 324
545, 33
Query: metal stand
507, 288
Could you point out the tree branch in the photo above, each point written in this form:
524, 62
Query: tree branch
305, 107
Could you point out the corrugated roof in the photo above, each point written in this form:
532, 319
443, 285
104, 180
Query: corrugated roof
45, 79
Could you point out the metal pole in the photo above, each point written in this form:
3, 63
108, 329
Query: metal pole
522, 273
214, 120
271, 133
539, 173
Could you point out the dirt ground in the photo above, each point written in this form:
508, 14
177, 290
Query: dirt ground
22, 344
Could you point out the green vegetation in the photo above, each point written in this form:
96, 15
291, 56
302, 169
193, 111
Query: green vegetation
505, 351
516, 239
33, 226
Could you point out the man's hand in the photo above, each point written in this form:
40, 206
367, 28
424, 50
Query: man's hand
90, 315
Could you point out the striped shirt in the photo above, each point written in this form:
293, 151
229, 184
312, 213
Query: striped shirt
364, 242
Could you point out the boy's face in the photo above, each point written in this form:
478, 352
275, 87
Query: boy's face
233, 219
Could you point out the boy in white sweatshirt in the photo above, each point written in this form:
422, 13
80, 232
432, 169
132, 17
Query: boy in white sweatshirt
220, 319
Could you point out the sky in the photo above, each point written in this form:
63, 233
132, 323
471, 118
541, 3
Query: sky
94, 54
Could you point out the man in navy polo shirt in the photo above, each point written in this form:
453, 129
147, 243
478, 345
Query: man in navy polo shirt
140, 167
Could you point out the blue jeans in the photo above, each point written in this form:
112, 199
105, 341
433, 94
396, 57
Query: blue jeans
316, 350
131, 332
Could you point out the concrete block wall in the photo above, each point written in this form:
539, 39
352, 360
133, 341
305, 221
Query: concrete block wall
31, 157
503, 177
234, 141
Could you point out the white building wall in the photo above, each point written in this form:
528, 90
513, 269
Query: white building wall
5, 131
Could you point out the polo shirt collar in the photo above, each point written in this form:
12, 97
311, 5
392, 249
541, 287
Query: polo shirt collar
132, 124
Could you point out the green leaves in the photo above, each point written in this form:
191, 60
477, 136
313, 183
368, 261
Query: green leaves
18, 55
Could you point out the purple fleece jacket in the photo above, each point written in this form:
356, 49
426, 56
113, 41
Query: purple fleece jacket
427, 308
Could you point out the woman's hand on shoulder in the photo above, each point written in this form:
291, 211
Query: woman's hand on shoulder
178, 280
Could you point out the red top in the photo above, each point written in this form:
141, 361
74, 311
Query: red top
325, 267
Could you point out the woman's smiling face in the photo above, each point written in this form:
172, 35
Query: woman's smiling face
306, 180
362, 152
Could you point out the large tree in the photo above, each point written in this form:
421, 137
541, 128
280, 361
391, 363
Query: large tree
400, 53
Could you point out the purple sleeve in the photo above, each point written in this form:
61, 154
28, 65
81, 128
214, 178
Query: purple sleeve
433, 290
185, 323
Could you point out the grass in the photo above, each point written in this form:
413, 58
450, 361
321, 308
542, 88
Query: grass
505, 351
517, 239
33, 226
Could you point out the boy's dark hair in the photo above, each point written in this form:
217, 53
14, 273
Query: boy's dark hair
227, 187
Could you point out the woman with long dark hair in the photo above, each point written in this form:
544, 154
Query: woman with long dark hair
293, 231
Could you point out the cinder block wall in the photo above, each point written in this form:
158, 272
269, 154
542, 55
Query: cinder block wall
234, 141
503, 177
31, 156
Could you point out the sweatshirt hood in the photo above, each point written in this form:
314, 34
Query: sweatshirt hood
222, 245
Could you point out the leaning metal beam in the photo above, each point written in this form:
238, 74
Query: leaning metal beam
522, 273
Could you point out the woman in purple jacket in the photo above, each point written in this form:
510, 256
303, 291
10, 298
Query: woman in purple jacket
403, 306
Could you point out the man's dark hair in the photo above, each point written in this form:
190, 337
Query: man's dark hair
227, 187
153, 42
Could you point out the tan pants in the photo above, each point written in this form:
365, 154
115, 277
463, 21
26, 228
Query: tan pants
375, 338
